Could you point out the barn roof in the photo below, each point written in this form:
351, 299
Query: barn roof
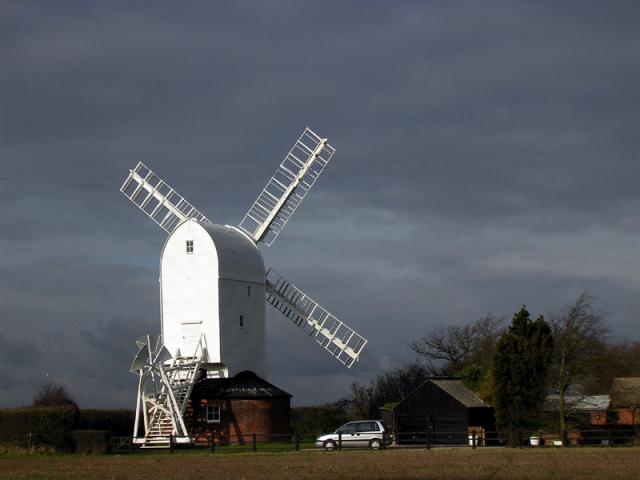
625, 392
455, 388
244, 385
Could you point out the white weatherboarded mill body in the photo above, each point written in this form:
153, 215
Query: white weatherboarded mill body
213, 288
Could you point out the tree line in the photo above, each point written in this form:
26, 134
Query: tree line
513, 366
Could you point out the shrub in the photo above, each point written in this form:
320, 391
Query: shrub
318, 419
53, 395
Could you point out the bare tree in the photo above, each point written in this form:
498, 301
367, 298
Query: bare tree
619, 359
459, 345
579, 337
387, 387
361, 401
53, 395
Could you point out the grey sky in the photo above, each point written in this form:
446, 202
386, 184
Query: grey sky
487, 156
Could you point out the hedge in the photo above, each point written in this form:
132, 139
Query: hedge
30, 427
116, 421
52, 427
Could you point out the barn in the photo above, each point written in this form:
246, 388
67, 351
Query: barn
231, 410
440, 411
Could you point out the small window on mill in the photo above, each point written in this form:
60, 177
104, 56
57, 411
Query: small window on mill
189, 246
241, 321
248, 291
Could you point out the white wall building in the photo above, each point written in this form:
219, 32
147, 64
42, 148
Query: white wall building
212, 282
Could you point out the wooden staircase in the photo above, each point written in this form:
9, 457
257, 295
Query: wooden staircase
165, 420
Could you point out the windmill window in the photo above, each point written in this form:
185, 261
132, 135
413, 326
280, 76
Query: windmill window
248, 291
189, 246
241, 321
213, 413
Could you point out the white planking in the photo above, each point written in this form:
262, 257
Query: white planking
208, 290
189, 288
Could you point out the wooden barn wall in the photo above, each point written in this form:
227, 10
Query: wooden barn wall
431, 400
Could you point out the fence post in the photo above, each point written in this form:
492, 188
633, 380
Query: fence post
297, 442
212, 439
340, 441
473, 439
610, 435
253, 440
429, 438
171, 443
130, 446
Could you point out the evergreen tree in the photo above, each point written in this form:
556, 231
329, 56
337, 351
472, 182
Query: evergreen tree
520, 369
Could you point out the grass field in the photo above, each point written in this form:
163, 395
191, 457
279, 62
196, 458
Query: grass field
439, 463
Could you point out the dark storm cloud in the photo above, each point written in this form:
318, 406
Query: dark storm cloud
113, 340
486, 157
27, 350
19, 359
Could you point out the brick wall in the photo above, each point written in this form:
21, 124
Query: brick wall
268, 418
628, 416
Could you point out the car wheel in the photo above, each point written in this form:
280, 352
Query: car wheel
329, 445
375, 444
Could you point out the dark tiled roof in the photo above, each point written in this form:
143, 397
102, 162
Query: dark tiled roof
625, 392
244, 385
455, 388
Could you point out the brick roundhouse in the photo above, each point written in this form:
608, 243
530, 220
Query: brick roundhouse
233, 409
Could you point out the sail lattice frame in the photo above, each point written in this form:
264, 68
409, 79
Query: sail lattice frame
340, 340
157, 199
286, 189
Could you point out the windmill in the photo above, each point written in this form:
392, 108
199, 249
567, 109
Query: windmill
212, 285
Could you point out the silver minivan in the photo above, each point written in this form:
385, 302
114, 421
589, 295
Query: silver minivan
363, 433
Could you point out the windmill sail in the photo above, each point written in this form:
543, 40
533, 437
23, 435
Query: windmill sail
287, 188
157, 199
341, 341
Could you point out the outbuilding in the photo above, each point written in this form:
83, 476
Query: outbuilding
231, 410
440, 411
625, 401
584, 412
